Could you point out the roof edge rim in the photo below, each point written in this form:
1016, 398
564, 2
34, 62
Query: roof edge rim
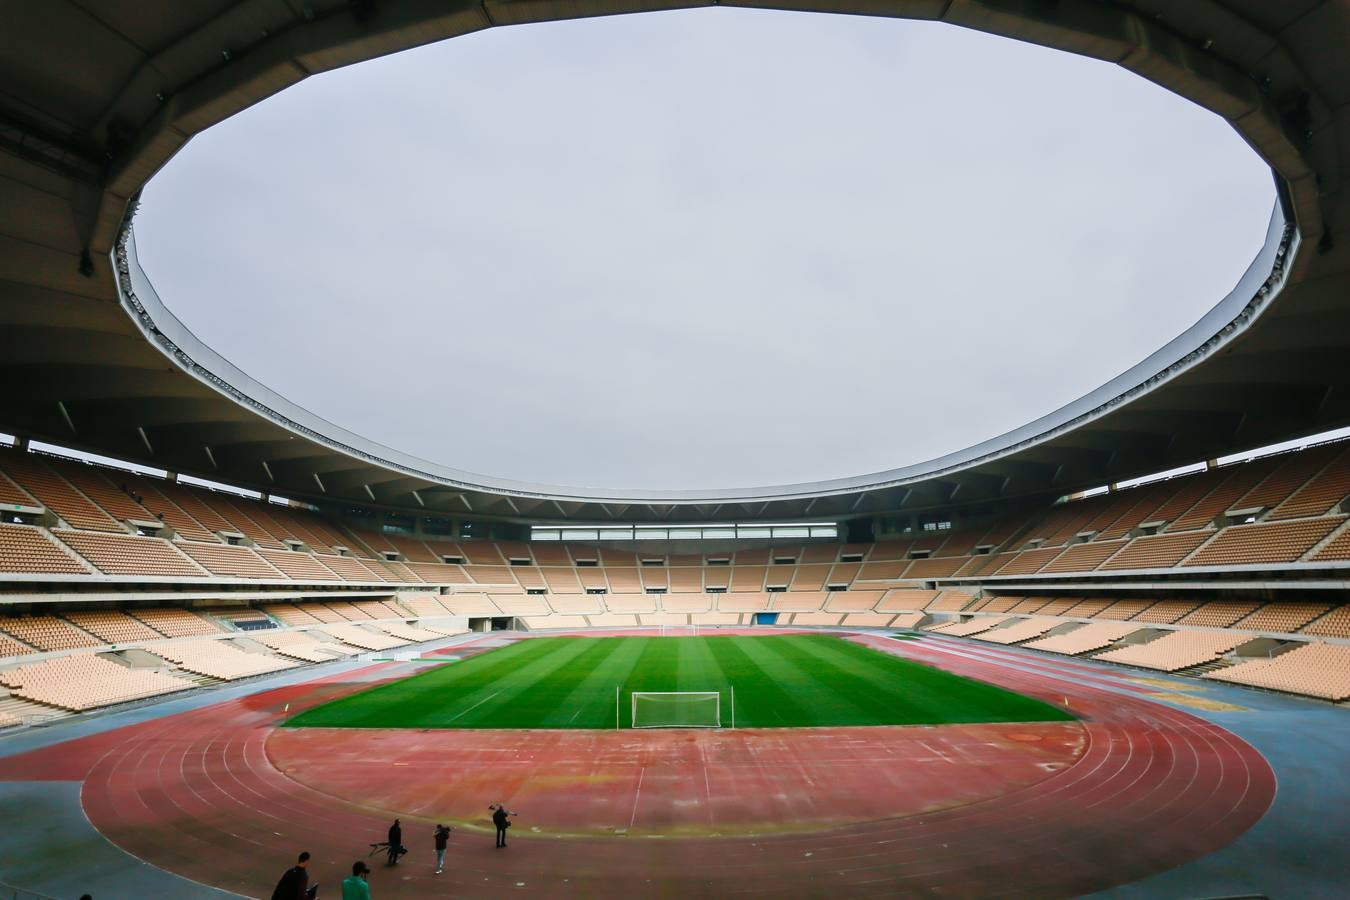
1260, 284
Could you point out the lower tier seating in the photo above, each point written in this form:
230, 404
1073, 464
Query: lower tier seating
85, 681
1177, 650
364, 638
219, 659
1316, 670
1093, 636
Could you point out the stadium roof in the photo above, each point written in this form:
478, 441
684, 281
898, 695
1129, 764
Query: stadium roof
100, 94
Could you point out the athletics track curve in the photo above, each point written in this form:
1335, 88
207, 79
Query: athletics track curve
1154, 787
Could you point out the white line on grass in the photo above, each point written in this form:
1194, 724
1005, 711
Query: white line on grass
475, 706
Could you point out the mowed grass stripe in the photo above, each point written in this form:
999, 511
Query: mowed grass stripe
780, 681
580, 708
762, 700
818, 690
966, 700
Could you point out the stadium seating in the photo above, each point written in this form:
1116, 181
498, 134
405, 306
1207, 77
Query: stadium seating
1165, 612
302, 646
1201, 520
125, 554
47, 633
1314, 670
11, 647
40, 481
25, 550
176, 623
1334, 624
969, 627
229, 561
219, 659
299, 566
1277, 542
1016, 632
113, 626
1093, 636
85, 681
364, 638
1218, 613
1284, 618
1177, 650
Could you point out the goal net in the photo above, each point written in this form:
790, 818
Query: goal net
677, 709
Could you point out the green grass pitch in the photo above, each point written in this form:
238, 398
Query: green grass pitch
780, 681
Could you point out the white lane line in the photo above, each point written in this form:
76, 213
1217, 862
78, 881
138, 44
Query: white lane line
637, 795
475, 706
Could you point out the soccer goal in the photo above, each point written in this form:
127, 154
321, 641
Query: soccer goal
677, 630
677, 709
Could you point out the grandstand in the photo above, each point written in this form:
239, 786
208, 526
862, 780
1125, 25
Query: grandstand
173, 534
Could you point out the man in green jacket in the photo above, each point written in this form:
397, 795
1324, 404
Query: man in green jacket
354, 886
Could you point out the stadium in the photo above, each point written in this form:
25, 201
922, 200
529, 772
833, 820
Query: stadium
1105, 653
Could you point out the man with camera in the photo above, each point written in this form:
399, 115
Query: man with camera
442, 840
500, 820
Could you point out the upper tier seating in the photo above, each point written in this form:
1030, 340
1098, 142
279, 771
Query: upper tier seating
353, 569
288, 614
158, 503
39, 480
321, 612
27, 550
1122, 610
299, 566
1177, 650
1316, 670
11, 647
1334, 624
1280, 542
1234, 482
47, 633
84, 681
1218, 613
1319, 495
1158, 551
230, 561
1284, 618
117, 502
176, 622
113, 626
125, 554
1165, 612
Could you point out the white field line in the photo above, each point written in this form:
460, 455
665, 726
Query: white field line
475, 706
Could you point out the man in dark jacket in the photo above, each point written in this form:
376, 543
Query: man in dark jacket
294, 883
442, 841
499, 819
395, 842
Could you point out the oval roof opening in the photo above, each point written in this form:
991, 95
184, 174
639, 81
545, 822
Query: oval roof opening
702, 249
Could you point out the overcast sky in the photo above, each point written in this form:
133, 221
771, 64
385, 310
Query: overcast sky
709, 248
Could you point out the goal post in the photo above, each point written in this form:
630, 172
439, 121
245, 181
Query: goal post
677, 709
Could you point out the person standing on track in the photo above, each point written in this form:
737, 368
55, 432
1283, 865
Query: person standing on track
500, 820
294, 882
442, 840
395, 842
354, 886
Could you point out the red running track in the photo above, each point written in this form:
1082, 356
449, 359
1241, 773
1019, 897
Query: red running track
1154, 787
